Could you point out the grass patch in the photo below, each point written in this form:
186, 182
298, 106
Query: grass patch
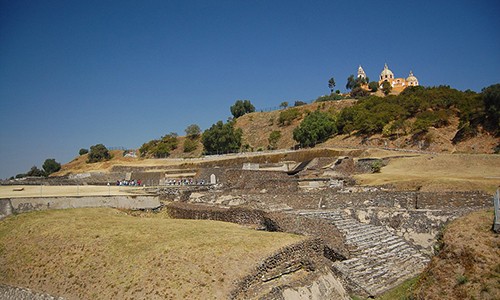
81, 253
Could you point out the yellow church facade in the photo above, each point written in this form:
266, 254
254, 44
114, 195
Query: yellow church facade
398, 84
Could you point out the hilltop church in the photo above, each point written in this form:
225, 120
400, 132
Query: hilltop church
398, 84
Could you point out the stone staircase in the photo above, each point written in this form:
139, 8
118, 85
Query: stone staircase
379, 259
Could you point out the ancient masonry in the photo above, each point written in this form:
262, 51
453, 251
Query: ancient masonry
379, 259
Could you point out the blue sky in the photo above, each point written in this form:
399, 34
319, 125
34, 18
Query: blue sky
78, 73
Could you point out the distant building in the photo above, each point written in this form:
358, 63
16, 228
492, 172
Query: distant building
398, 84
361, 72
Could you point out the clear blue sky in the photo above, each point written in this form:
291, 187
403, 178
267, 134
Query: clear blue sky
78, 73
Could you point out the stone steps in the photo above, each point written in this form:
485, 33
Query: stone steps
379, 259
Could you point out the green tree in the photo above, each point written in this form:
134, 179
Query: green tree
386, 87
35, 172
83, 151
316, 127
491, 99
299, 103
221, 138
98, 153
373, 86
193, 131
284, 104
331, 84
241, 107
51, 166
273, 139
351, 82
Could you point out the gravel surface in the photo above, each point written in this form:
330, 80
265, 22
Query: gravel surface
16, 293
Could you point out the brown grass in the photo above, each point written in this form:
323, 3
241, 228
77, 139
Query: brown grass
439, 172
107, 254
468, 267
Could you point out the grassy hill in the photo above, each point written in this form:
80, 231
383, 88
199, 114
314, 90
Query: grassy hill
468, 266
107, 254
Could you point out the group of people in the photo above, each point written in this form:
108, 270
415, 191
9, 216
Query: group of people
185, 181
132, 182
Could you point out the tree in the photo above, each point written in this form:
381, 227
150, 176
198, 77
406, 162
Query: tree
273, 139
351, 82
386, 87
491, 99
51, 166
317, 127
83, 151
359, 92
284, 104
331, 84
373, 86
98, 153
221, 138
299, 103
35, 172
193, 131
242, 107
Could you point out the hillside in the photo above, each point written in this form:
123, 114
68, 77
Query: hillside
468, 266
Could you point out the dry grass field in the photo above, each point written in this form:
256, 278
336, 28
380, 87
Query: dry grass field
438, 172
108, 254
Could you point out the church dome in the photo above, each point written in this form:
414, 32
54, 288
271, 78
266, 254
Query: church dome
386, 73
411, 77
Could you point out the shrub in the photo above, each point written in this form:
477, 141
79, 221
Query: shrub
377, 166
331, 97
299, 103
273, 139
287, 116
315, 128
190, 145
159, 148
83, 151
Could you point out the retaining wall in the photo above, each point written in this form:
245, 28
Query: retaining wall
20, 205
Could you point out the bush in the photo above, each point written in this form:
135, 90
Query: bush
331, 97
316, 128
83, 151
273, 139
288, 115
242, 107
221, 138
359, 92
299, 103
190, 145
159, 148
377, 166
98, 153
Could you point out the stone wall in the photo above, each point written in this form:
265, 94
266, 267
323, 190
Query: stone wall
255, 181
304, 256
20, 205
237, 215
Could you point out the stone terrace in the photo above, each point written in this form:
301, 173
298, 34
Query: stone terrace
379, 259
